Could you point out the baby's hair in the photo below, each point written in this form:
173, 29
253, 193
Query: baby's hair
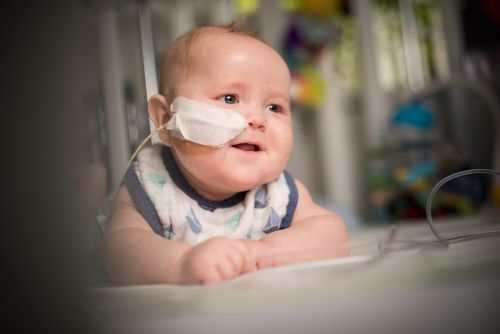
177, 55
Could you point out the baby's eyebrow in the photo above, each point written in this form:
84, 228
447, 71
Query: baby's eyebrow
280, 95
236, 86
229, 85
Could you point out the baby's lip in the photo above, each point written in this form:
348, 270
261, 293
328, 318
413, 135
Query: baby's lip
247, 145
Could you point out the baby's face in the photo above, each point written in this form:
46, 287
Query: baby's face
243, 74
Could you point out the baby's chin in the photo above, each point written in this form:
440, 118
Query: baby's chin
242, 184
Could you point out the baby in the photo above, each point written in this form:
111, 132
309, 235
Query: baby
213, 201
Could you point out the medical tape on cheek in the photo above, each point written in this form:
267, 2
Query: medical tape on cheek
203, 123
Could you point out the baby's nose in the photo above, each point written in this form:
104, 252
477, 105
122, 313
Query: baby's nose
256, 118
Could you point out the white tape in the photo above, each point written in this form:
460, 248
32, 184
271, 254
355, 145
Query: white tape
203, 123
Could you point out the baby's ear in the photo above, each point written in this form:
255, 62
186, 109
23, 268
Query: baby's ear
159, 113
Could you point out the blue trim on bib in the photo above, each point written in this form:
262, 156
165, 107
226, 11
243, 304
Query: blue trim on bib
181, 182
293, 198
142, 201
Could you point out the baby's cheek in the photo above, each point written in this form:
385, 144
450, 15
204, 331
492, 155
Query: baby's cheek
284, 143
187, 147
196, 159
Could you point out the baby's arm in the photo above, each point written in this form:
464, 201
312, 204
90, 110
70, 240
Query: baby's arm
315, 233
134, 254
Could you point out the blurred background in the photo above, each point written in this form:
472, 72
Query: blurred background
388, 96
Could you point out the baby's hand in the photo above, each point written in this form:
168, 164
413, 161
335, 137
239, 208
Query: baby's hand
261, 256
215, 260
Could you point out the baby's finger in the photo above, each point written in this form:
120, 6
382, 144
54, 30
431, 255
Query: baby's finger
225, 270
212, 274
246, 261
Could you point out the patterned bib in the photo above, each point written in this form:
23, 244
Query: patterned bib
174, 209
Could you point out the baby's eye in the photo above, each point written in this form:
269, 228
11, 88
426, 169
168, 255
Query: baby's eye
274, 108
229, 99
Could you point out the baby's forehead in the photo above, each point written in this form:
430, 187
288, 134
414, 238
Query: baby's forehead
220, 45
224, 39
215, 51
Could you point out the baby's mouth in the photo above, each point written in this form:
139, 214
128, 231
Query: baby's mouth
247, 147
